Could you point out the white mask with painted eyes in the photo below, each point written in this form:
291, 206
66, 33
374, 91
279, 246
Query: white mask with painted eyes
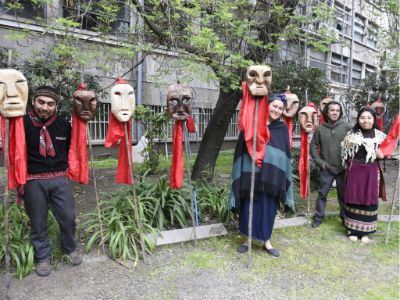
13, 93
179, 101
122, 102
307, 118
259, 80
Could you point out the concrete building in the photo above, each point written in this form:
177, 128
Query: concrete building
354, 55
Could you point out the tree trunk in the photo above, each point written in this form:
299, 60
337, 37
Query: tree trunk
214, 135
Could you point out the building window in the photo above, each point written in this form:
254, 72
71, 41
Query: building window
372, 35
22, 8
369, 70
339, 68
356, 72
359, 29
95, 17
343, 19
317, 60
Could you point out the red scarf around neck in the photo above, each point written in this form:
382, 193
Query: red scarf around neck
17, 152
246, 123
45, 144
389, 144
176, 173
77, 156
115, 134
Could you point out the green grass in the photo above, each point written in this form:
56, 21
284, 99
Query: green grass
314, 264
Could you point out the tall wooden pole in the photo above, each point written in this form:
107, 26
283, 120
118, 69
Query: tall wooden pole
253, 173
5, 206
135, 202
95, 190
187, 145
396, 189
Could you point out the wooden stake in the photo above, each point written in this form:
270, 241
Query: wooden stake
253, 173
396, 189
187, 145
135, 202
95, 190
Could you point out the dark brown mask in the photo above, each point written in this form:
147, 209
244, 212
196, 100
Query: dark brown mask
85, 104
179, 101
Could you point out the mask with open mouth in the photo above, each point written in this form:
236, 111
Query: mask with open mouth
179, 101
307, 118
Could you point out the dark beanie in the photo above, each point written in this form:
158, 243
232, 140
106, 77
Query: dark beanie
47, 91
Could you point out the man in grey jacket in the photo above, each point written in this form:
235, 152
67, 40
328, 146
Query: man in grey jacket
325, 151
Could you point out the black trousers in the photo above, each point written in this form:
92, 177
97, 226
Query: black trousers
39, 196
325, 183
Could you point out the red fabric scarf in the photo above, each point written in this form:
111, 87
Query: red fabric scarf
303, 164
321, 118
176, 173
379, 122
246, 122
45, 145
389, 144
17, 152
289, 123
77, 157
115, 134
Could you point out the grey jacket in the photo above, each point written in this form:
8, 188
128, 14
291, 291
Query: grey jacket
325, 145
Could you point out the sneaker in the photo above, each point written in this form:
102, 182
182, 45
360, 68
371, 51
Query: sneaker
43, 268
75, 257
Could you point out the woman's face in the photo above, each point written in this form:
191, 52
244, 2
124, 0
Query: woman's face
275, 110
366, 120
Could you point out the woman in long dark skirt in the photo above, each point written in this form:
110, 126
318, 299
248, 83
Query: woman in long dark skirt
273, 180
364, 184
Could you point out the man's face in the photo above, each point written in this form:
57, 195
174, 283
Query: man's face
259, 80
324, 102
307, 118
13, 93
334, 112
292, 105
179, 101
122, 102
85, 104
44, 107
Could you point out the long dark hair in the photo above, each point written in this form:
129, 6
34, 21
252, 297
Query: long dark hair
373, 113
326, 108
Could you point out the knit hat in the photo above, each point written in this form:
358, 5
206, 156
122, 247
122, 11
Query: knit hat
47, 91
280, 97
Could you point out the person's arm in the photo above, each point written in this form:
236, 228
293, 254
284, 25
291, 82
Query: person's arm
315, 141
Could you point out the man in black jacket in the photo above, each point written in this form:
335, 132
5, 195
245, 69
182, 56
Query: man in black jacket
325, 151
48, 139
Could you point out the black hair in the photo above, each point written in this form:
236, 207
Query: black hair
357, 127
326, 108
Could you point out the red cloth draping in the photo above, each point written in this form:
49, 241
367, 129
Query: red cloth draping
246, 123
289, 123
77, 157
17, 152
303, 164
389, 144
176, 173
115, 134
379, 122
